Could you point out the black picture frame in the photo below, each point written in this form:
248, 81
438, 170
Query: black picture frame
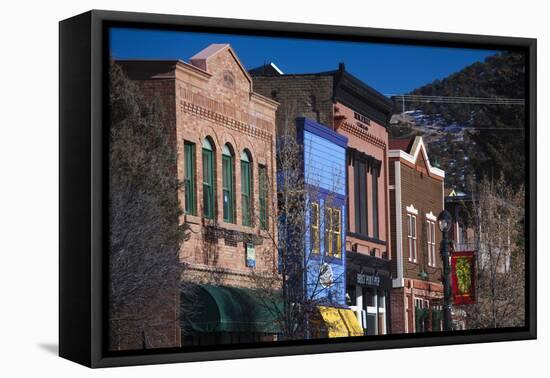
82, 206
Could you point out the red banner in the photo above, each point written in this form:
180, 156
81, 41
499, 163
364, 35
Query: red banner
463, 270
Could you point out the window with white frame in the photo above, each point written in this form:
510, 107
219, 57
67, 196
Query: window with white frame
437, 318
421, 314
411, 237
419, 303
430, 237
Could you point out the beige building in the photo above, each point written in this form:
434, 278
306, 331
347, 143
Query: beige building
225, 137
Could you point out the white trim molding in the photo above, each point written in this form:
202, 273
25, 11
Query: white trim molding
431, 216
398, 281
411, 209
418, 145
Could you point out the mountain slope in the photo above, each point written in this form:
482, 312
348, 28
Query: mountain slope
488, 139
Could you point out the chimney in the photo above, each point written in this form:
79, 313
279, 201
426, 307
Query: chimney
341, 67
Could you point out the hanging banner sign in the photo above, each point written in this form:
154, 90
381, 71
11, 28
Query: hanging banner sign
250, 255
463, 270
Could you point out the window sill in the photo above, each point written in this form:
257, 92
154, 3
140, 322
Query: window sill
314, 256
200, 220
334, 260
194, 219
366, 238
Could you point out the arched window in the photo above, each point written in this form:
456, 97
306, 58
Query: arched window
246, 187
189, 178
228, 184
208, 179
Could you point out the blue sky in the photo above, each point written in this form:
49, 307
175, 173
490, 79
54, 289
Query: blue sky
391, 69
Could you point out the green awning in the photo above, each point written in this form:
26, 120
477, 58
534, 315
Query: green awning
229, 309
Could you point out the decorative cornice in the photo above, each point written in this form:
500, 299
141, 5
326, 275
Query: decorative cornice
357, 95
412, 157
366, 238
431, 216
225, 121
231, 237
411, 209
363, 135
216, 269
266, 101
373, 164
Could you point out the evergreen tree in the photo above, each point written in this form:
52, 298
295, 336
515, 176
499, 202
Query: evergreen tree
495, 137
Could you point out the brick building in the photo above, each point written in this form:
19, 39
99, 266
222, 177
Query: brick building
416, 199
225, 138
348, 106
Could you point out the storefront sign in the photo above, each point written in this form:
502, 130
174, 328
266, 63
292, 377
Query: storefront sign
463, 277
367, 280
362, 118
250, 255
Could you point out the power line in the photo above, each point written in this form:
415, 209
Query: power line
467, 128
459, 100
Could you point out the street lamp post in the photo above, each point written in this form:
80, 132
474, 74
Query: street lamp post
444, 220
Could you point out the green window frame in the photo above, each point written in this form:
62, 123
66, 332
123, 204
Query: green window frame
208, 184
228, 185
246, 189
189, 178
262, 176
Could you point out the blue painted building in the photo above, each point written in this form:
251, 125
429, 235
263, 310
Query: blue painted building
317, 232
324, 169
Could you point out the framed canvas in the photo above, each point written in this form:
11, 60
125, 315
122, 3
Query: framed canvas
236, 188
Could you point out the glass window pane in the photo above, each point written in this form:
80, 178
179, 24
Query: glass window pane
368, 297
328, 233
336, 220
314, 227
263, 196
207, 145
246, 190
208, 183
189, 180
226, 151
227, 178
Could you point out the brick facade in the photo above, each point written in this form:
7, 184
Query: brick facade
308, 96
416, 191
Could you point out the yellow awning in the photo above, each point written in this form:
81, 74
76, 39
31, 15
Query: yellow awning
340, 322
